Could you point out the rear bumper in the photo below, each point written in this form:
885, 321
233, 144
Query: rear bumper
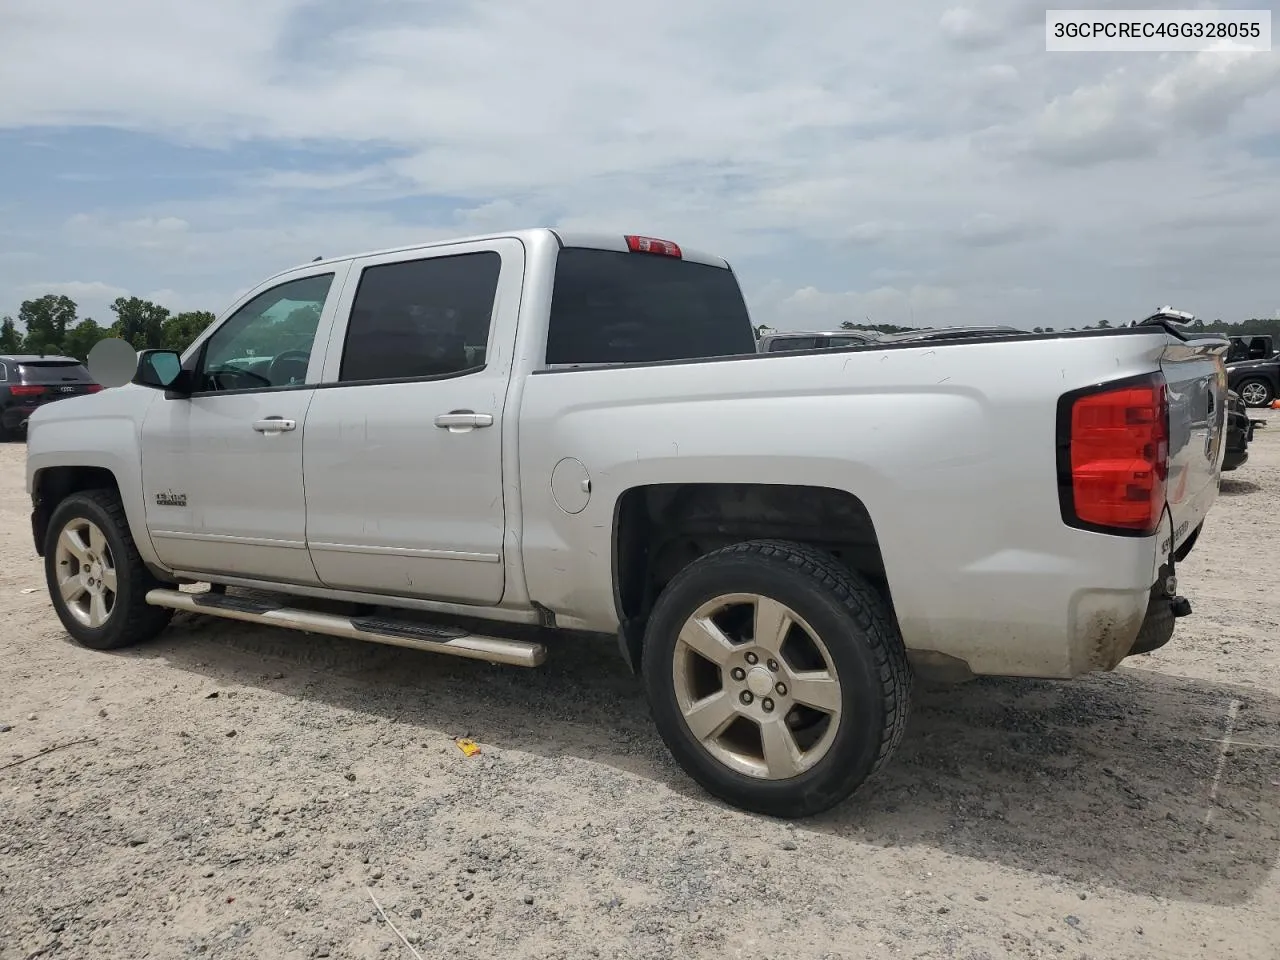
1057, 616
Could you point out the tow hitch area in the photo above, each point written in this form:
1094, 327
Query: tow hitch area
1163, 608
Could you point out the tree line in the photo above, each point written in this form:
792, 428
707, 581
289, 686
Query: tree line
51, 325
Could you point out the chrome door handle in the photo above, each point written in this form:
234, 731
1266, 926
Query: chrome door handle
274, 425
459, 421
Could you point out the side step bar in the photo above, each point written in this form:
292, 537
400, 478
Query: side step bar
453, 641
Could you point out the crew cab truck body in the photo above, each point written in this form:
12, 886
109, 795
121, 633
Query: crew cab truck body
576, 432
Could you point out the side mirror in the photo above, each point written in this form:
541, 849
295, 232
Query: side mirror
158, 369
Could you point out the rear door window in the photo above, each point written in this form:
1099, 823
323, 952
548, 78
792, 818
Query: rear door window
613, 307
421, 318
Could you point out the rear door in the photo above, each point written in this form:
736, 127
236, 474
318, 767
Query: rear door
1197, 381
403, 449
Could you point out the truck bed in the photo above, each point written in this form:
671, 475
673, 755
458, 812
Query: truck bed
949, 446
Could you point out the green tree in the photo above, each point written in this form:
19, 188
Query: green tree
879, 327
295, 331
10, 339
139, 322
180, 330
1104, 324
81, 338
46, 320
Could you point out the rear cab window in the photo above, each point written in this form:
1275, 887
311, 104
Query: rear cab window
52, 371
614, 307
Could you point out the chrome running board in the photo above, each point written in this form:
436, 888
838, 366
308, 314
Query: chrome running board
431, 638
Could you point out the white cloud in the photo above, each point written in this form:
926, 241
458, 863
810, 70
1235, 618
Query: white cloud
901, 153
812, 308
969, 28
77, 289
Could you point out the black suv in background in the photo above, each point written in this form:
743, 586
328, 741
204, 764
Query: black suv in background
26, 382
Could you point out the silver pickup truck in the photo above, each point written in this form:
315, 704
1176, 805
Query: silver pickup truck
541, 431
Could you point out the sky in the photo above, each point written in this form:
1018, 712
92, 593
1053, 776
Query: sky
921, 163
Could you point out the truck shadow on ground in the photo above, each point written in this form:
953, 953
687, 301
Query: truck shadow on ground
1108, 780
1237, 488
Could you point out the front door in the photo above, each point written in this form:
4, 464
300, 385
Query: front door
222, 469
404, 437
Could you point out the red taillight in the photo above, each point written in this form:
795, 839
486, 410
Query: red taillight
92, 387
26, 390
664, 248
1114, 464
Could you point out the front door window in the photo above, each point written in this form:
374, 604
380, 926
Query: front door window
266, 344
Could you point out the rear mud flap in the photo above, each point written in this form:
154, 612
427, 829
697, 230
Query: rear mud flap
1164, 608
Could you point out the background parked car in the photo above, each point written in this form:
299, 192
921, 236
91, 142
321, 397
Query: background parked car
1251, 348
953, 333
29, 382
789, 340
1257, 381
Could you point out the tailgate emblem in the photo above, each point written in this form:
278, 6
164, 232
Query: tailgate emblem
67, 389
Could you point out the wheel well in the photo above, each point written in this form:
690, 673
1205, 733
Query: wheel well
660, 529
54, 484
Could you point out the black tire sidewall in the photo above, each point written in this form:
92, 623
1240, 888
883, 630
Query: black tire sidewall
853, 754
129, 593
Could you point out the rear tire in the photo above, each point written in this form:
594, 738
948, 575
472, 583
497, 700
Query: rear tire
1255, 392
97, 581
791, 722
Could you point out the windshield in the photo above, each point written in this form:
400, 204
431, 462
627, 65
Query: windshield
613, 307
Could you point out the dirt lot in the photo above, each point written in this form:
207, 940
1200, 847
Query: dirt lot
234, 792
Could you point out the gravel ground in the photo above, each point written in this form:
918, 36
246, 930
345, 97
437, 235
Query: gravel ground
237, 792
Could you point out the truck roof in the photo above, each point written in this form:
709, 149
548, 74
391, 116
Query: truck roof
565, 238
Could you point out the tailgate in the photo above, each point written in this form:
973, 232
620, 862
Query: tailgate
1197, 381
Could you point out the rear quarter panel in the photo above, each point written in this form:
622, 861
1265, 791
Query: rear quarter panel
950, 447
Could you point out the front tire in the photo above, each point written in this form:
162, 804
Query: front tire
776, 677
97, 581
1256, 392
